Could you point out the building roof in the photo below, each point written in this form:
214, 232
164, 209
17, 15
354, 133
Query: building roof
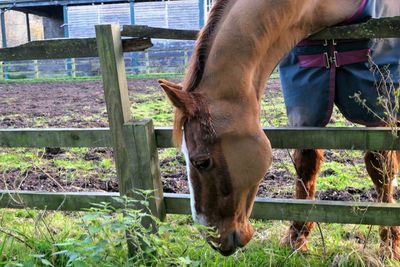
53, 8
36, 3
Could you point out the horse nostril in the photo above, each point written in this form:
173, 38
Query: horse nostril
231, 245
234, 240
237, 240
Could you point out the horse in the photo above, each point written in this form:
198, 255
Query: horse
217, 115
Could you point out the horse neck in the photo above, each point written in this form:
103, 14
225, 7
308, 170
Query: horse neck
253, 37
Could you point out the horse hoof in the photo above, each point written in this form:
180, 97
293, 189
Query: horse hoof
389, 253
299, 244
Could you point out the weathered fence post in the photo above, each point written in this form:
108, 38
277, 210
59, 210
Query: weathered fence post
5, 71
73, 68
186, 58
36, 69
1, 71
68, 67
135, 151
147, 61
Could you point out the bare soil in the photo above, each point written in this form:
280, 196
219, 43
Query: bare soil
82, 105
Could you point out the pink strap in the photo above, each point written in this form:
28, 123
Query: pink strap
309, 61
342, 58
351, 57
306, 42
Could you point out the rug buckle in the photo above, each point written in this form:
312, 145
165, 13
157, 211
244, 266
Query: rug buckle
331, 60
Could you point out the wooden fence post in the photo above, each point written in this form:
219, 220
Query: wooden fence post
5, 71
134, 142
147, 61
185, 58
146, 164
1, 71
36, 69
73, 68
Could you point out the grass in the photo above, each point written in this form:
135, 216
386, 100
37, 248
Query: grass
343, 176
37, 238
153, 106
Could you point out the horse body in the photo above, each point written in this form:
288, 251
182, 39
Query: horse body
217, 107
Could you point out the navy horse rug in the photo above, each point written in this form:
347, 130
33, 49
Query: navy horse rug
352, 74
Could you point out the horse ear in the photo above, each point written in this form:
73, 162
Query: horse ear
179, 98
170, 84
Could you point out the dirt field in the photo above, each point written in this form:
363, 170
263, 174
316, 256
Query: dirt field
81, 105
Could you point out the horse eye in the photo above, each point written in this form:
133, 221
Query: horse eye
203, 164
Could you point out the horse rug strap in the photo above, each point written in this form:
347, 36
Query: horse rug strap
317, 74
335, 60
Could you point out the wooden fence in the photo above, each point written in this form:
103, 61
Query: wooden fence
158, 60
135, 143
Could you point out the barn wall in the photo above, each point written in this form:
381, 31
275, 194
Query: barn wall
165, 56
172, 14
16, 28
53, 28
82, 19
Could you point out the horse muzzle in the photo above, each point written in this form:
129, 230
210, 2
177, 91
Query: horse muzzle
229, 242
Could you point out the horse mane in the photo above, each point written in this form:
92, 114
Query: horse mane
200, 54
195, 72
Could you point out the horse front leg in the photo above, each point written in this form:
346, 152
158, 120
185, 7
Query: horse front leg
307, 164
382, 167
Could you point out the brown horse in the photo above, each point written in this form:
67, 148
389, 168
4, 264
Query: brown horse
217, 117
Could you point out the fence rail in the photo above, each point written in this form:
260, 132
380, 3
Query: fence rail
139, 40
356, 138
155, 60
66, 48
264, 208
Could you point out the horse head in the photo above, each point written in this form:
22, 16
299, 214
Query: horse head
226, 158
217, 116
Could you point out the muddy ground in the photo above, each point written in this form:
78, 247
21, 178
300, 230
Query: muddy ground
81, 105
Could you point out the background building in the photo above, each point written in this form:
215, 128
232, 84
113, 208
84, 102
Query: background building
24, 20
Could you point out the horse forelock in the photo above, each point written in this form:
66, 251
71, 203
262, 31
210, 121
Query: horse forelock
201, 114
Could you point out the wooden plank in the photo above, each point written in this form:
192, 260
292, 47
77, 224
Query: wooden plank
264, 208
328, 138
117, 102
307, 210
147, 166
65, 48
94, 137
68, 201
373, 28
133, 143
3, 29
333, 138
360, 138
86, 47
135, 150
164, 137
161, 33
